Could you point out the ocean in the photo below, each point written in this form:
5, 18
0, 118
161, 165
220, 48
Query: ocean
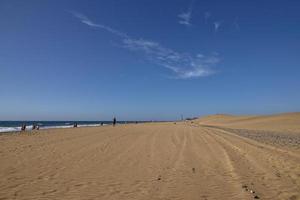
12, 126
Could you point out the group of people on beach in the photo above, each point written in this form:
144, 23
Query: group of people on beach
36, 127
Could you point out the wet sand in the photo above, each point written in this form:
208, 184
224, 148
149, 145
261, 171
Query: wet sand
146, 161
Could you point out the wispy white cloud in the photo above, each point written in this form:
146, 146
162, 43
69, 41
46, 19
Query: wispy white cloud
217, 26
84, 19
182, 65
185, 18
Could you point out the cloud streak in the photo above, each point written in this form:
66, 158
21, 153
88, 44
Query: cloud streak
85, 20
217, 26
185, 18
182, 65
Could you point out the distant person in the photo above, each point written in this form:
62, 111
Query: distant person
23, 128
75, 125
33, 126
101, 123
114, 121
37, 127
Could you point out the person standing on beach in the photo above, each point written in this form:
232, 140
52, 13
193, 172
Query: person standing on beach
114, 121
23, 128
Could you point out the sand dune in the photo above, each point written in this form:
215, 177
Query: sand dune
278, 130
145, 161
286, 122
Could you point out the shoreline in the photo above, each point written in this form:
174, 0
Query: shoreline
49, 128
65, 125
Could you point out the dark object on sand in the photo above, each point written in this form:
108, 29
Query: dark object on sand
101, 123
75, 125
159, 178
23, 128
245, 186
194, 170
191, 118
33, 126
114, 121
256, 197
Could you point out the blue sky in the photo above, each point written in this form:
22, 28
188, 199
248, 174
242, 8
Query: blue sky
147, 59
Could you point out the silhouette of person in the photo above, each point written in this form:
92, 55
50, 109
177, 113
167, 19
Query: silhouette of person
23, 128
114, 121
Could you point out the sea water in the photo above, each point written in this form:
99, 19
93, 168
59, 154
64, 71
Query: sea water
12, 126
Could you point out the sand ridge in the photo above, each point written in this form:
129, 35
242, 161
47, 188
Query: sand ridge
285, 122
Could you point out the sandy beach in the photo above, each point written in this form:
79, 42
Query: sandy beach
217, 157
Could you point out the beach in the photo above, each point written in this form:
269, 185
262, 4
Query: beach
209, 158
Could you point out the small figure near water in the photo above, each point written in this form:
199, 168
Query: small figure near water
35, 127
101, 123
114, 121
75, 125
23, 128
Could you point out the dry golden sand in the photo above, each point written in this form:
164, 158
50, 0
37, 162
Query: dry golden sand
145, 161
286, 122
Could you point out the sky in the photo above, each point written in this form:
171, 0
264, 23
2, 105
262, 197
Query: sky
148, 59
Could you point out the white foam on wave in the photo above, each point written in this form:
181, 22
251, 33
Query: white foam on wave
29, 127
62, 126
14, 129
70, 126
86, 125
9, 129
